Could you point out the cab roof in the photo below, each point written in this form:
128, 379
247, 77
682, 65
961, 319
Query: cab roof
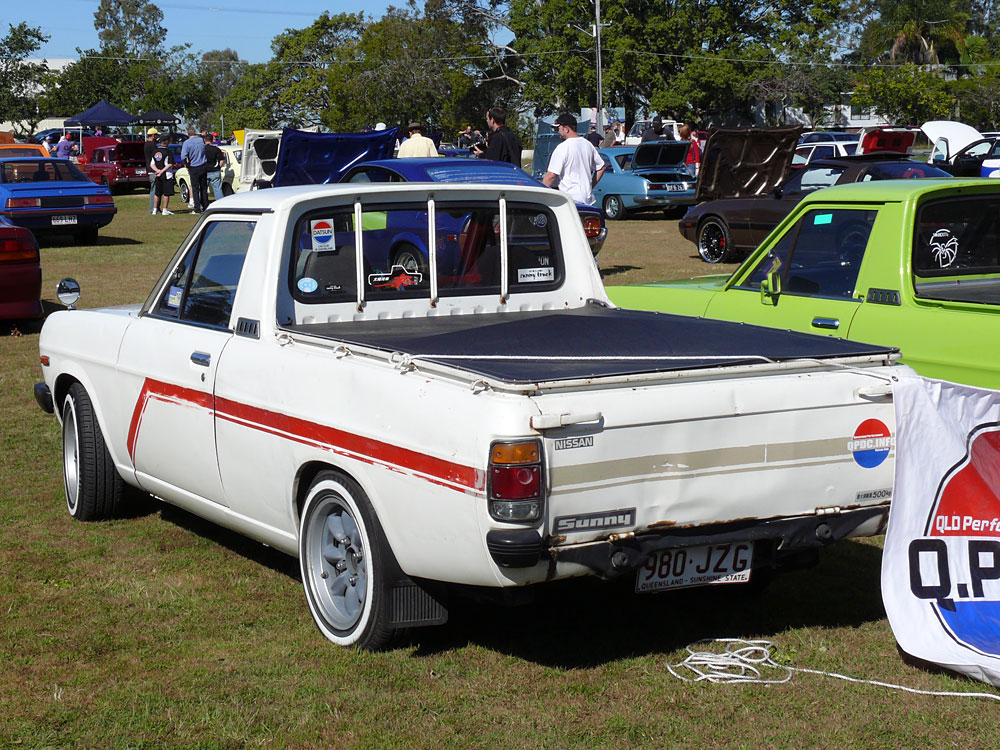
881, 191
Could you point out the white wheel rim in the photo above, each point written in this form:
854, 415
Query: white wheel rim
71, 457
334, 558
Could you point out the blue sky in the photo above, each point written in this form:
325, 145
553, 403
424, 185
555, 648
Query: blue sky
245, 27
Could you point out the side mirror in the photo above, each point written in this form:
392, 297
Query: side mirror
770, 285
68, 292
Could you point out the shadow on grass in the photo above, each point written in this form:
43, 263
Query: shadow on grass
65, 240
585, 622
614, 270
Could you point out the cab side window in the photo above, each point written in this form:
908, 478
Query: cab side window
820, 254
203, 285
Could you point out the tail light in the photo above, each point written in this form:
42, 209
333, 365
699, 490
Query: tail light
24, 202
91, 200
657, 186
17, 245
592, 226
516, 481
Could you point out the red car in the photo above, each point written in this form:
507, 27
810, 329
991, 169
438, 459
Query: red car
120, 166
20, 273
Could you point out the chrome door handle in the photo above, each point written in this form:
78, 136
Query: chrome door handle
201, 358
832, 323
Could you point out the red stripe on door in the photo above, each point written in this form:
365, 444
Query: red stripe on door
436, 470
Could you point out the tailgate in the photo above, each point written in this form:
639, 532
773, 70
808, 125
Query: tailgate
688, 454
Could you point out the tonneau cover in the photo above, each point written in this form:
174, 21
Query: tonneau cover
584, 335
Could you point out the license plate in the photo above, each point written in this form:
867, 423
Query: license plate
140, 172
63, 220
696, 566
675, 187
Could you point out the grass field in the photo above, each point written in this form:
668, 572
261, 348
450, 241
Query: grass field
163, 631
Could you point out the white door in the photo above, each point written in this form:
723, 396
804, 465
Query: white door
174, 350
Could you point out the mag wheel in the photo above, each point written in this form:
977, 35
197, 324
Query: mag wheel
185, 192
340, 556
714, 244
614, 209
411, 259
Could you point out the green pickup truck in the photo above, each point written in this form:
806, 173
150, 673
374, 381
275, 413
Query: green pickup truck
913, 264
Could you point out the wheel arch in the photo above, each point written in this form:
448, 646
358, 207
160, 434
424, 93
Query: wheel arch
63, 383
304, 478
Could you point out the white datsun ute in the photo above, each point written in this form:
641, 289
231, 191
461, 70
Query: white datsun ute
423, 390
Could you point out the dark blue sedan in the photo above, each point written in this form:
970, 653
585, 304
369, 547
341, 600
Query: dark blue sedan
53, 195
471, 171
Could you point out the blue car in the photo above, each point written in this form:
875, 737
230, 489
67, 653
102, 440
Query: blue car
467, 170
53, 195
649, 177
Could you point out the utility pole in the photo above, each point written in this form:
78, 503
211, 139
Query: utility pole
600, 88
595, 32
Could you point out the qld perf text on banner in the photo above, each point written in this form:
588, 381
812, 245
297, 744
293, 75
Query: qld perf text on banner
941, 566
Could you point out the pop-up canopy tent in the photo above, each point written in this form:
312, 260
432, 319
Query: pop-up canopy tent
102, 113
155, 117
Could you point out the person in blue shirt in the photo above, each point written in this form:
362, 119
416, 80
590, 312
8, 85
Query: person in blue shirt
193, 156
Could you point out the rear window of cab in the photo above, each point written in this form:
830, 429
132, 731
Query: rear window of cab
396, 257
957, 236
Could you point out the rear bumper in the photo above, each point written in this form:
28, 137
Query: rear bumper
40, 219
20, 290
688, 229
664, 201
621, 554
596, 243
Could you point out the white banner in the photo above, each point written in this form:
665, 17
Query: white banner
941, 565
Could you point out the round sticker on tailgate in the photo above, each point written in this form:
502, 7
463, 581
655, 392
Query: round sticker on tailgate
871, 443
307, 285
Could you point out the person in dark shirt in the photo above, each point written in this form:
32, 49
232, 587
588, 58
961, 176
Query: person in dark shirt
216, 161
655, 131
162, 164
147, 149
594, 137
503, 144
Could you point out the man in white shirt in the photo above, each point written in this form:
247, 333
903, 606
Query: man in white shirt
416, 144
575, 164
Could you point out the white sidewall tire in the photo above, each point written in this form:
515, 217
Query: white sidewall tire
71, 424
319, 493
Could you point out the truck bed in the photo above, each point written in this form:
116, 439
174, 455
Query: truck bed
584, 336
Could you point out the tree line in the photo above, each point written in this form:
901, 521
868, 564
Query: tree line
447, 61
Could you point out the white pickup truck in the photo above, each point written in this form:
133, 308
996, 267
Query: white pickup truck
491, 423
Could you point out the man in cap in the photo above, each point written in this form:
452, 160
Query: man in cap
594, 137
417, 144
655, 131
575, 166
147, 150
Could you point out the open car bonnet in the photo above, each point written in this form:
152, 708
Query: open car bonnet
958, 135
658, 154
744, 162
322, 158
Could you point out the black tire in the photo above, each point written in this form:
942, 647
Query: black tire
714, 241
185, 191
95, 490
411, 259
614, 208
227, 189
86, 236
342, 562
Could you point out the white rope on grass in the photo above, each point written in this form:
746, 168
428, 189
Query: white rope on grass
745, 661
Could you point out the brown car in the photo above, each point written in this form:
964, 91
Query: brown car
747, 193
